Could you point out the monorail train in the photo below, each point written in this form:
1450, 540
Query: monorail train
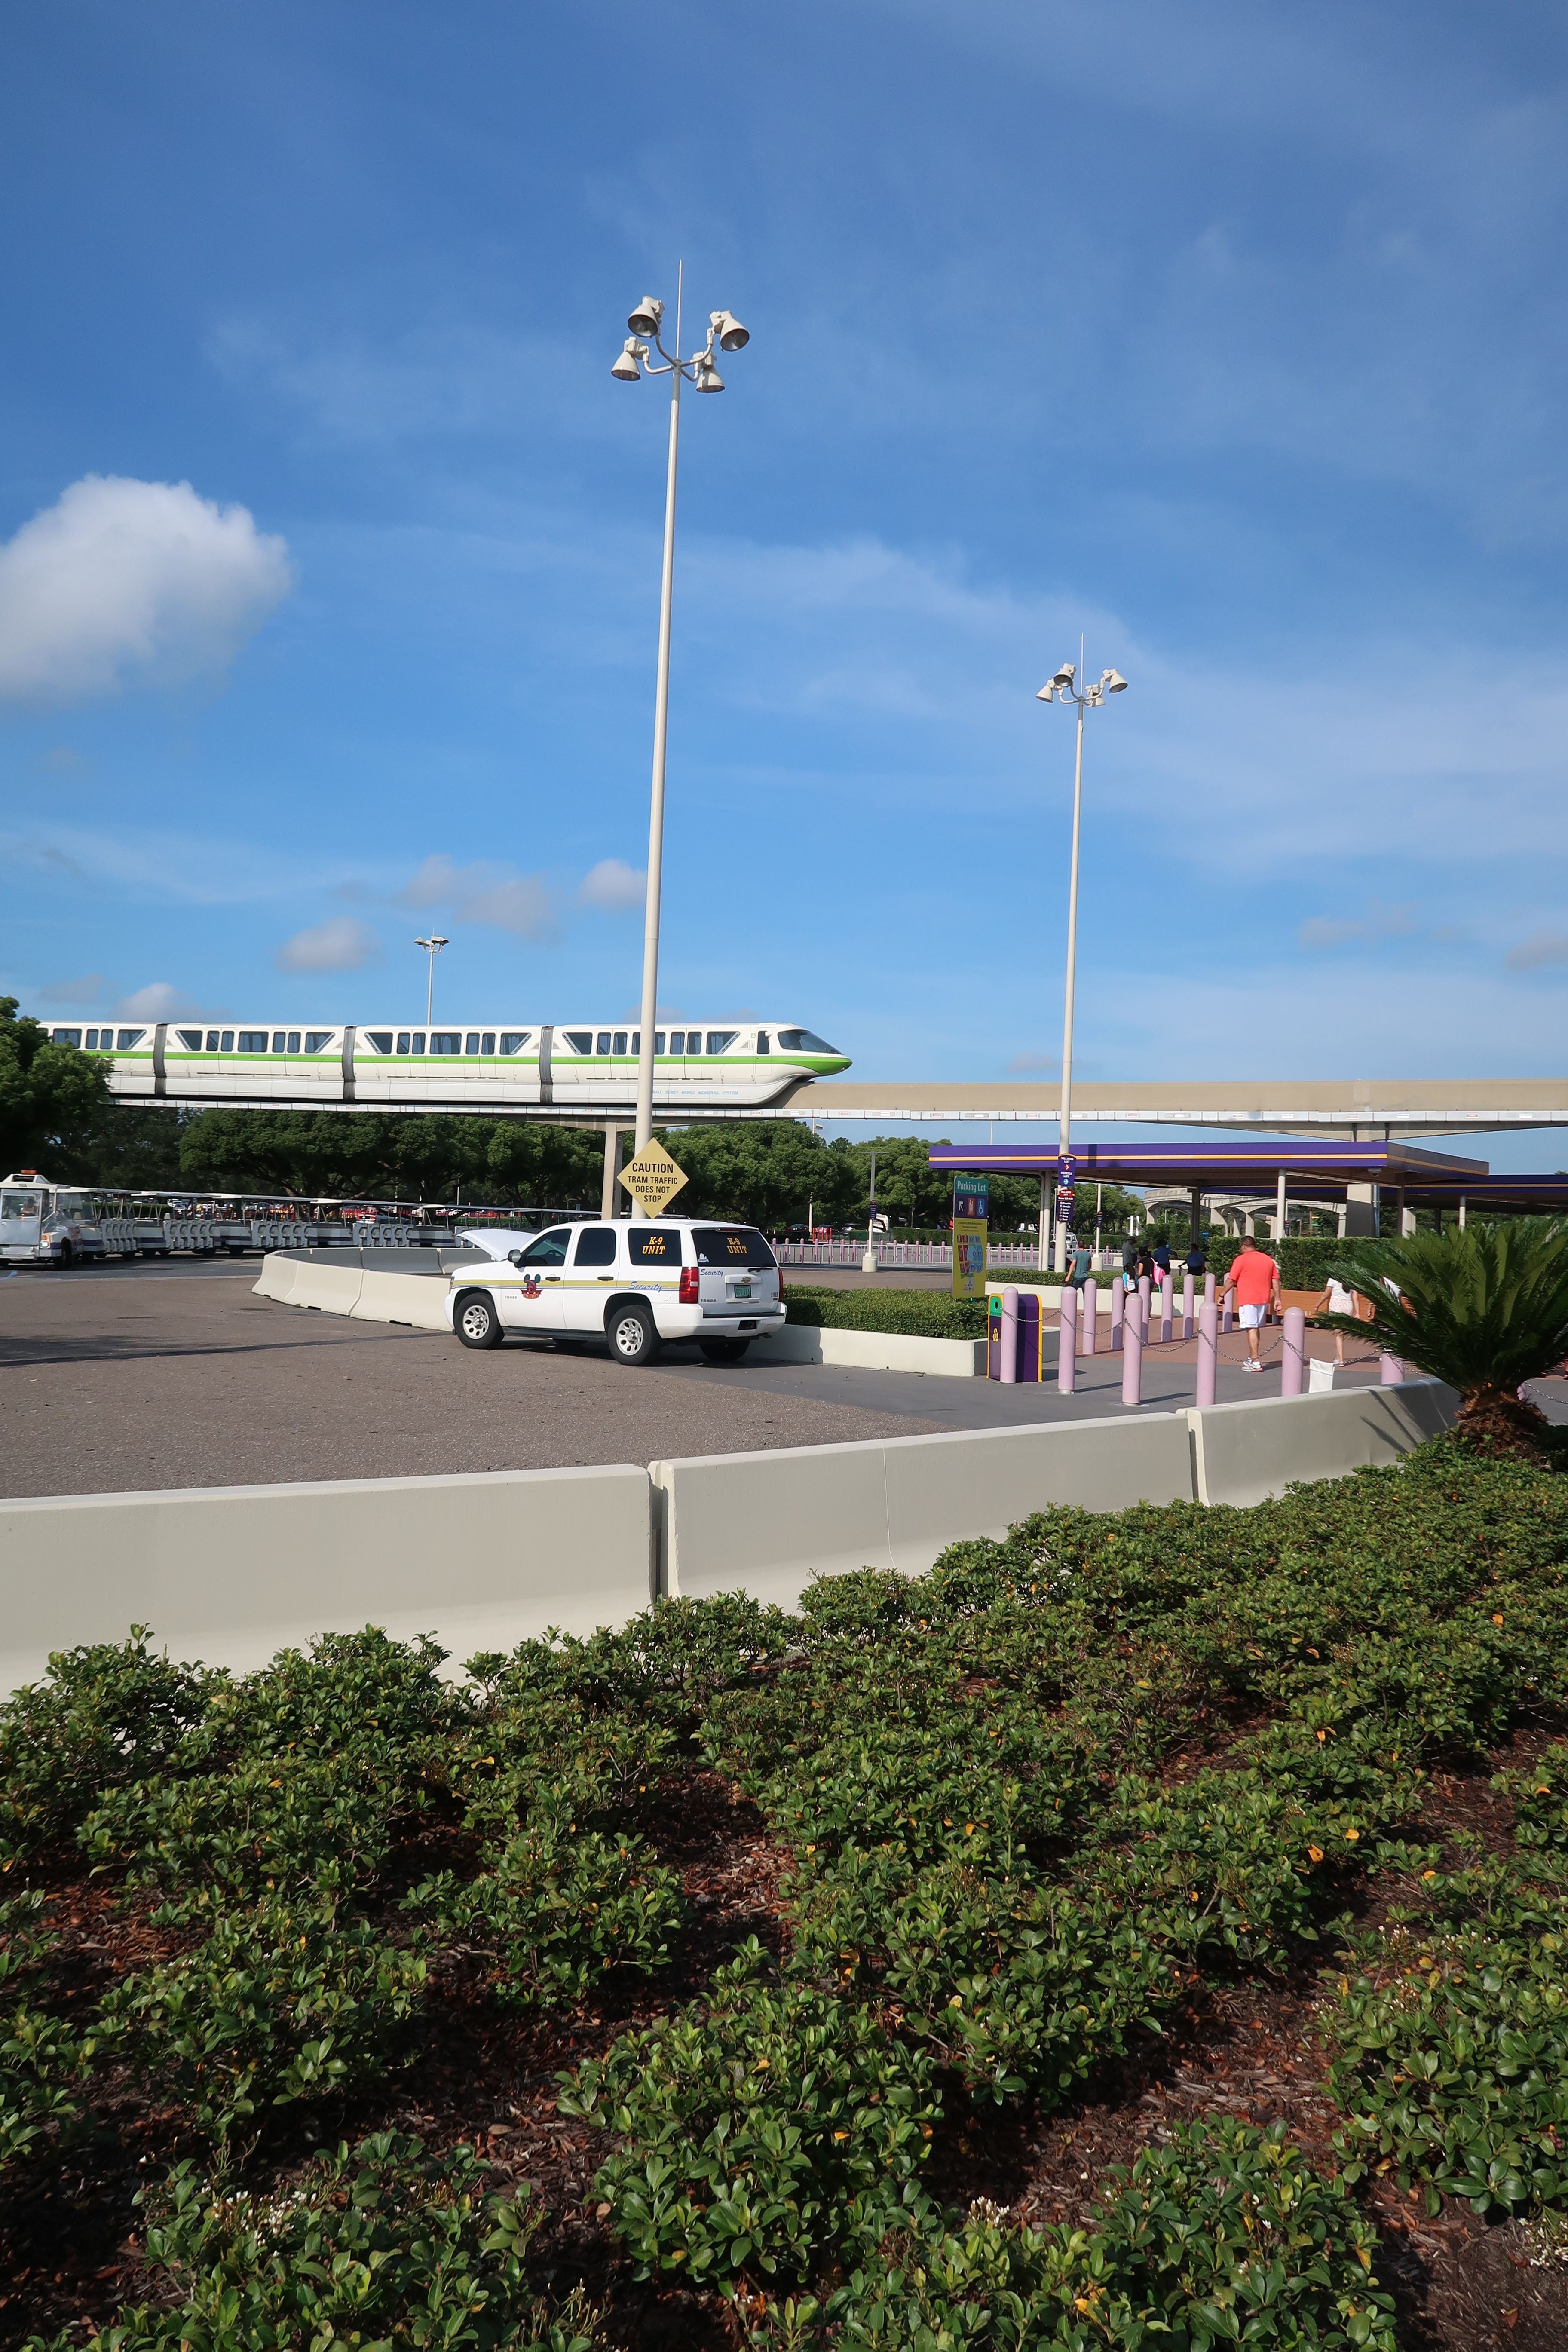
590, 1069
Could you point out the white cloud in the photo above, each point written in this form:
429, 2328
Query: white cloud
518, 903
615, 885
85, 988
1379, 922
339, 944
122, 581
1541, 947
159, 1001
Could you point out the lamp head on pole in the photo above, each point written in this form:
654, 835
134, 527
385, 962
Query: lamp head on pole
1046, 694
732, 336
1113, 682
625, 369
707, 378
647, 318
1064, 677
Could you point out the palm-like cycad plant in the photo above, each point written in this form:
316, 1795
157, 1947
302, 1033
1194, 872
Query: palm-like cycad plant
1483, 1310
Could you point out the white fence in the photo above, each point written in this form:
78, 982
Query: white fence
1021, 1256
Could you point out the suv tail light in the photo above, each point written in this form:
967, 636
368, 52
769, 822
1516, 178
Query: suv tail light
689, 1278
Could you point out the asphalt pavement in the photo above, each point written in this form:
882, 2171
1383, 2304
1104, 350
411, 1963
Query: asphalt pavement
170, 1373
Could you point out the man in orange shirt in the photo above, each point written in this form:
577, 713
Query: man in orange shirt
1255, 1279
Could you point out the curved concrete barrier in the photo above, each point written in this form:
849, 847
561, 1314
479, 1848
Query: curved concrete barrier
232, 1574
276, 1280
413, 1299
334, 1289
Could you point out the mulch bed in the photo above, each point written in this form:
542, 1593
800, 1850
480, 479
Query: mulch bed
69, 2247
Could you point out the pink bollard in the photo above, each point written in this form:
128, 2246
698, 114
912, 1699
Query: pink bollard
1292, 1369
1167, 1300
1067, 1342
1091, 1317
1229, 1311
1118, 1313
1186, 1306
1143, 1308
1208, 1350
1391, 1371
1131, 1362
1010, 1335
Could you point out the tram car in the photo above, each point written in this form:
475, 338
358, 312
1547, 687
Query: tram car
588, 1068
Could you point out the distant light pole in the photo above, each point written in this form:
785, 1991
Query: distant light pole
1063, 685
633, 365
432, 947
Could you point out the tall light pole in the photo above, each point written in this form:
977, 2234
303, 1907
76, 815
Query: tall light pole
635, 361
1064, 687
432, 947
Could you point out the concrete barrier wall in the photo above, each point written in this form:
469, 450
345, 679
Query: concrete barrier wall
771, 1521
277, 1278
872, 1351
232, 1574
1245, 1453
412, 1299
333, 1288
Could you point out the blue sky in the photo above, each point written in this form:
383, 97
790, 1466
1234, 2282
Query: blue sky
1234, 338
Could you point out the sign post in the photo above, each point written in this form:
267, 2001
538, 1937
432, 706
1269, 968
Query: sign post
971, 1215
652, 1179
1066, 1171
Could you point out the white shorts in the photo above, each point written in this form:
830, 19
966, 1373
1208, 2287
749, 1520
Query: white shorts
1251, 1316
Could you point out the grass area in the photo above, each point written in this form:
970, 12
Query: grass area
1145, 1932
924, 1314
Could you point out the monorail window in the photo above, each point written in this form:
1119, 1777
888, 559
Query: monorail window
604, 1041
512, 1041
191, 1039
403, 1040
620, 1043
67, 1036
211, 1040
658, 1040
446, 1041
580, 1039
416, 1042
763, 1045
677, 1041
803, 1041
720, 1040
253, 1041
228, 1045
471, 1043
129, 1037
316, 1040
285, 1040
487, 1041
381, 1039
636, 1041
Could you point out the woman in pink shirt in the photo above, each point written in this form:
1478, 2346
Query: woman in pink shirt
1255, 1279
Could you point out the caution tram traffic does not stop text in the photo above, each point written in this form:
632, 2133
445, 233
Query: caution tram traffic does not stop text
652, 1179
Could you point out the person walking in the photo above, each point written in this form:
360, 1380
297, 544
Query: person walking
1198, 1262
1082, 1264
1336, 1300
1255, 1279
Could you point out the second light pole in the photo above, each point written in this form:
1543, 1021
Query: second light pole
1064, 687
635, 361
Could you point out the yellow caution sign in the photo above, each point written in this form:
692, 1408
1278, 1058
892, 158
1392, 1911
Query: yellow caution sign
652, 1179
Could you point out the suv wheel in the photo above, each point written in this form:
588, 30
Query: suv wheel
475, 1321
723, 1351
629, 1327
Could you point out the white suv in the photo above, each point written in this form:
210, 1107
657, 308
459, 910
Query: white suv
638, 1281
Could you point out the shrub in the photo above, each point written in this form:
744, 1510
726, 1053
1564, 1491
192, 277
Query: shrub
281, 2002
923, 1314
767, 2128
384, 2246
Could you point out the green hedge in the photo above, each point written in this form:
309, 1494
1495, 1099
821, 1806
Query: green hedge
926, 1314
1304, 1264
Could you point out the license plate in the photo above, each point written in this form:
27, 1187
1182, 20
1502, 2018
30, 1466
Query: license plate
740, 1290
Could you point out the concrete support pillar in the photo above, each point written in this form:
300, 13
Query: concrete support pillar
1195, 1218
1279, 1208
1361, 1211
1343, 1216
1461, 1213
1406, 1217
